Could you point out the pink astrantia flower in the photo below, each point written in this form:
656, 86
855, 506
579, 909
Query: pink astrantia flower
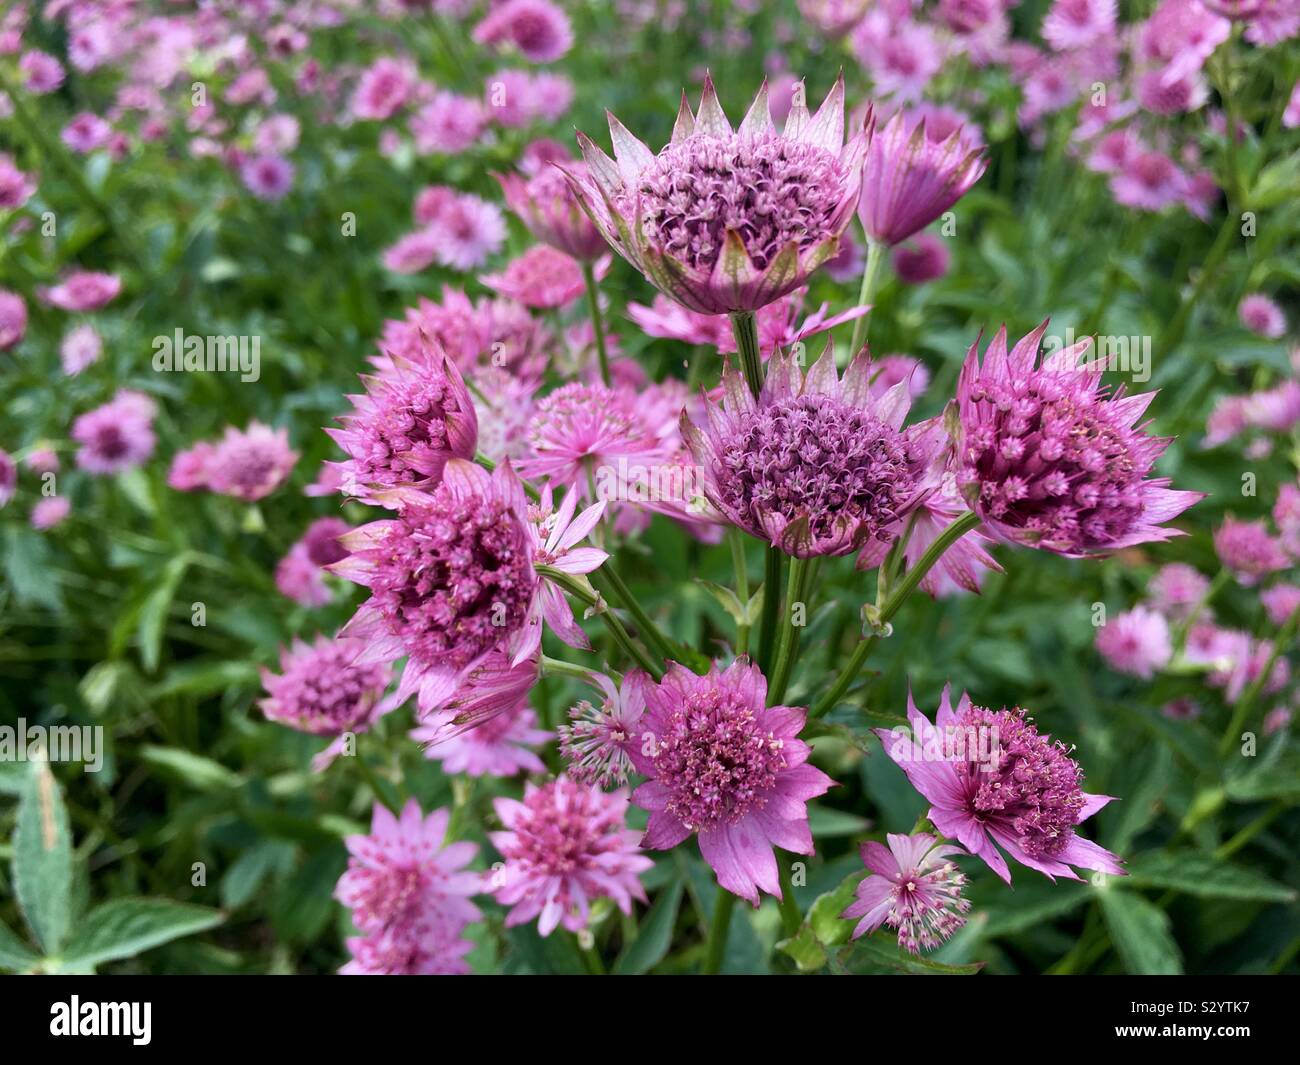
1076, 23
322, 690
1136, 642
565, 845
727, 220
413, 252
502, 746
189, 468
1048, 459
409, 895
913, 887
13, 319
8, 477
383, 88
926, 258
80, 348
300, 575
556, 534
548, 207
1280, 602
815, 465
543, 278
86, 133
41, 72
1249, 550
49, 512
1176, 589
116, 436
268, 177
83, 290
1180, 36
451, 580
834, 17
900, 55
911, 177
726, 767
412, 418
1261, 315
447, 124
597, 744
250, 463
1014, 788
1286, 516
891, 369
1150, 181
539, 29
16, 187
468, 231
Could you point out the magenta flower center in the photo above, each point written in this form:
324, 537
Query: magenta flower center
408, 433
717, 759
1020, 781
817, 457
770, 190
453, 578
563, 832
325, 694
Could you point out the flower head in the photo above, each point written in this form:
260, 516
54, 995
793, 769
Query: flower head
540, 30
83, 290
1176, 589
1249, 550
49, 512
543, 277
502, 746
548, 207
267, 176
727, 767
992, 778
727, 220
81, 347
250, 463
13, 319
565, 845
413, 417
1048, 459
1261, 315
16, 187
926, 258
409, 895
1074, 24
322, 690
1136, 642
911, 175
116, 436
913, 887
815, 465
597, 744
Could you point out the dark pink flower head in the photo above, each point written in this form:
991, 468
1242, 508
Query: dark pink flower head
116, 436
1261, 315
913, 887
815, 465
322, 690
1176, 589
727, 220
503, 746
1048, 459
83, 290
13, 319
926, 258
409, 895
1180, 36
543, 278
539, 29
992, 778
268, 177
413, 417
1149, 181
597, 744
448, 123
548, 207
189, 468
451, 579
565, 845
251, 463
1249, 550
384, 87
1074, 24
727, 767
16, 187
1136, 642
911, 176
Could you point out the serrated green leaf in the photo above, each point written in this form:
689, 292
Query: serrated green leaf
126, 927
880, 950
43, 859
1202, 875
1140, 932
805, 948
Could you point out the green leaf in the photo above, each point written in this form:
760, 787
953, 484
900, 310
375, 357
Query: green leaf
202, 774
153, 615
1028, 907
1199, 874
805, 948
656, 932
824, 914
13, 777
882, 951
126, 927
28, 570
15, 955
826, 822
1140, 933
43, 859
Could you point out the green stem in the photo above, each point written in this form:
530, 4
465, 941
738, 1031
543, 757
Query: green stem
742, 587
791, 917
1285, 638
607, 616
646, 627
597, 324
870, 280
771, 604
787, 646
557, 667
745, 325
716, 945
1185, 626
897, 597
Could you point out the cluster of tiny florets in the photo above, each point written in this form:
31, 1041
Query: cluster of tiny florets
322, 691
404, 433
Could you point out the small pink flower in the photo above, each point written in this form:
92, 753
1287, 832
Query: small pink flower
1150, 181
251, 463
1076, 23
900, 55
926, 258
1176, 589
539, 29
276, 135
268, 177
300, 575
597, 745
1180, 36
724, 766
914, 888
468, 232
116, 436
80, 348
543, 278
189, 468
556, 534
548, 207
1262, 316
49, 512
409, 893
42, 460
502, 746
41, 72
384, 87
413, 252
447, 124
565, 845
1249, 550
13, 319
1136, 642
16, 187
83, 290
86, 132
1280, 602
